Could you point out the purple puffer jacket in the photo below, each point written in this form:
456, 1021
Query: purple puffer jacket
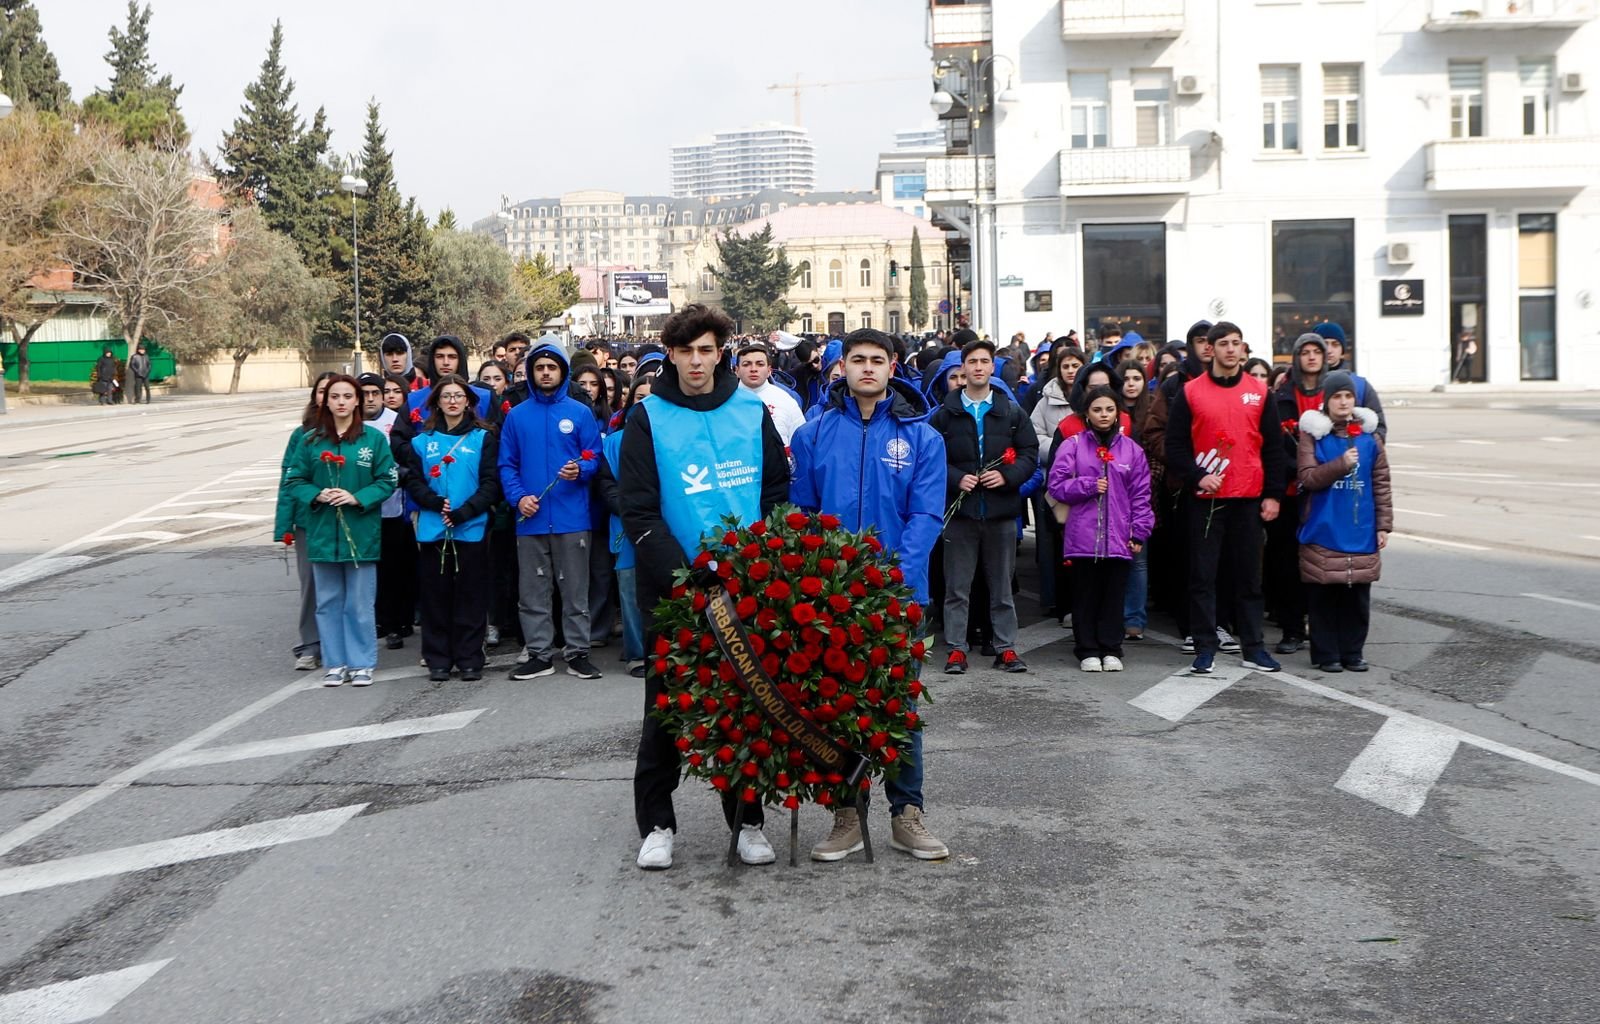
1096, 528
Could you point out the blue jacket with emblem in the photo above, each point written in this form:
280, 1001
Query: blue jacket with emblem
469, 479
541, 435
887, 472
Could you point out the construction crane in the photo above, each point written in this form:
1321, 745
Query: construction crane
797, 85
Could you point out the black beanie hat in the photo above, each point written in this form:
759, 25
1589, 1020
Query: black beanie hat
1336, 382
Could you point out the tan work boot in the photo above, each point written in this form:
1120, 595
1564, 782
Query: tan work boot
844, 840
909, 835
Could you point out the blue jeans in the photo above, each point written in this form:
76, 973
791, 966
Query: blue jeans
907, 787
632, 619
1134, 614
346, 613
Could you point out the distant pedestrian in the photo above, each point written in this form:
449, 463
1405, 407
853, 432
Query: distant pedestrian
139, 376
1344, 482
104, 382
342, 472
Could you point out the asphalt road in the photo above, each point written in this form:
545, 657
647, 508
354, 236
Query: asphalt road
190, 833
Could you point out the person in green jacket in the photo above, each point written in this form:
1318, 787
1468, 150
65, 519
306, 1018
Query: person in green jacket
290, 529
343, 471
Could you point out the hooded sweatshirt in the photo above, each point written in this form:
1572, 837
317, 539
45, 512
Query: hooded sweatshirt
413, 376
887, 473
538, 438
418, 399
1102, 526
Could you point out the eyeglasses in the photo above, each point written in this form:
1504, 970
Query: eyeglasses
452, 398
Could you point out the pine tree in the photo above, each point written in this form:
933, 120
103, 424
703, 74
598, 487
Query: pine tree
917, 315
31, 76
754, 278
446, 221
141, 106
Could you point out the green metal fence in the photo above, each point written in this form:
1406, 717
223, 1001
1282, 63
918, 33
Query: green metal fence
73, 361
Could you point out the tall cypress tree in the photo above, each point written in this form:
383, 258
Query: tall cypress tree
31, 76
917, 314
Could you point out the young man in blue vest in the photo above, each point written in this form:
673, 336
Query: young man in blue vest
872, 460
1223, 443
549, 450
699, 448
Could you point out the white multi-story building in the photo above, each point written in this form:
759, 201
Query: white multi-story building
1426, 173
901, 173
744, 161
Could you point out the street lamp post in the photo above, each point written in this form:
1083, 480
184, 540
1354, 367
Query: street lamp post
973, 72
356, 187
6, 107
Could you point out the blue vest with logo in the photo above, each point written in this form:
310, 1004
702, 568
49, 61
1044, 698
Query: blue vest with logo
1344, 518
709, 464
457, 481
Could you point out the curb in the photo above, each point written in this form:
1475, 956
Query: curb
89, 412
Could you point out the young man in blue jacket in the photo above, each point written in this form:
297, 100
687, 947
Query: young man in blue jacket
872, 460
549, 450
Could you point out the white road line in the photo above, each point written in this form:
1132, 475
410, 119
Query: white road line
162, 535
36, 827
329, 738
214, 501
1473, 440
1175, 697
68, 1002
1564, 600
163, 852
1441, 543
1400, 765
1557, 440
1418, 512
1400, 444
1587, 536
39, 568
233, 517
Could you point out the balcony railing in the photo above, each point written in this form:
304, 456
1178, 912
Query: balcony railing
960, 24
1502, 165
1121, 19
1449, 15
1125, 171
950, 178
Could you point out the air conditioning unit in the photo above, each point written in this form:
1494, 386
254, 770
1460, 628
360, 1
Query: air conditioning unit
1572, 81
1191, 85
1400, 254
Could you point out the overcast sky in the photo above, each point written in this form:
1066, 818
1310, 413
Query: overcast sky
533, 98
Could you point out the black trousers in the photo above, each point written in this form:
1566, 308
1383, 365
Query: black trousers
1340, 613
1225, 541
455, 602
503, 567
655, 772
397, 577
1098, 588
602, 586
1169, 557
1285, 594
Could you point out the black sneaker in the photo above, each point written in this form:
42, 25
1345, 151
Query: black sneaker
394, 641
988, 651
1289, 645
471, 675
636, 671
438, 675
1355, 665
581, 667
533, 668
1010, 661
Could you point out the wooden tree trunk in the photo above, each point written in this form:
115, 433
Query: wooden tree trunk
239, 356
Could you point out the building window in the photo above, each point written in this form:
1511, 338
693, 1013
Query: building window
1280, 107
866, 273
835, 325
1469, 277
1313, 279
1090, 92
1536, 294
1341, 106
1152, 108
1125, 278
894, 321
708, 281
866, 321
805, 274
835, 274
910, 186
1534, 78
805, 323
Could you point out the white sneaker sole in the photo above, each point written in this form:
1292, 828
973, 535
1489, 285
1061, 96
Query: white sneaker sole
829, 856
520, 675
920, 854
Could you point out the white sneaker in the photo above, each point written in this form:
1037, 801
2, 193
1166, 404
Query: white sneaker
333, 677
1111, 663
656, 853
1225, 642
361, 677
1090, 665
753, 846
306, 662
491, 636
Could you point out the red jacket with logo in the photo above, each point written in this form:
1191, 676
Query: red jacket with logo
1228, 427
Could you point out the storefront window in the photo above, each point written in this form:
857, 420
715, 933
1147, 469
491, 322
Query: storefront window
1536, 295
1313, 279
1125, 278
1469, 261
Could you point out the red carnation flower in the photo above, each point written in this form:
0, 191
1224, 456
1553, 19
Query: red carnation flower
663, 647
416, 415
505, 407
874, 695
1352, 429
448, 460
1009, 456
682, 744
915, 688
327, 456
846, 701
750, 794
761, 748
701, 733
912, 718
685, 700
1290, 426
797, 520
835, 660
586, 455
1104, 454
878, 740
857, 635
288, 539
663, 701
828, 522
890, 754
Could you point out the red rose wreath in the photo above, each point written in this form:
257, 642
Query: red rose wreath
830, 620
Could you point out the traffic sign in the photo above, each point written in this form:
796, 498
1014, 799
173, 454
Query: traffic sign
944, 305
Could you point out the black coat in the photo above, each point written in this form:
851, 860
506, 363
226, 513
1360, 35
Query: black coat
1005, 425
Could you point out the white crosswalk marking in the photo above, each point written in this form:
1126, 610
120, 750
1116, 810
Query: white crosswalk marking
1400, 765
1177, 696
330, 738
68, 1002
199, 846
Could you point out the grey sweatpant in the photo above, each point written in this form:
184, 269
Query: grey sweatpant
309, 641
965, 540
561, 559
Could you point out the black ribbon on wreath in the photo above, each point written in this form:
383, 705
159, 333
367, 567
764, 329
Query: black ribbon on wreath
822, 749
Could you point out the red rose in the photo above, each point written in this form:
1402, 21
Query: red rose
710, 705
730, 538
828, 522
661, 666
811, 586
1009, 456
792, 562
811, 778
586, 455
890, 755
448, 460
803, 613
879, 656
874, 576
896, 576
774, 543
761, 748
779, 736
701, 733
913, 613
839, 603
878, 740
719, 782
875, 544
837, 637
685, 639
663, 701
746, 607
876, 622
797, 520
505, 407
288, 539
834, 660
749, 770
663, 647
811, 542
824, 799
918, 649
702, 560
759, 571
751, 551
897, 672
864, 722
915, 688
758, 528
1352, 429
783, 641
858, 636
769, 664
685, 700
848, 553
725, 754
828, 687
874, 695
797, 663
912, 718
778, 590
733, 585
750, 794
697, 759
797, 757
698, 602
892, 705
846, 701
855, 671
827, 565
791, 802
682, 744
857, 590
